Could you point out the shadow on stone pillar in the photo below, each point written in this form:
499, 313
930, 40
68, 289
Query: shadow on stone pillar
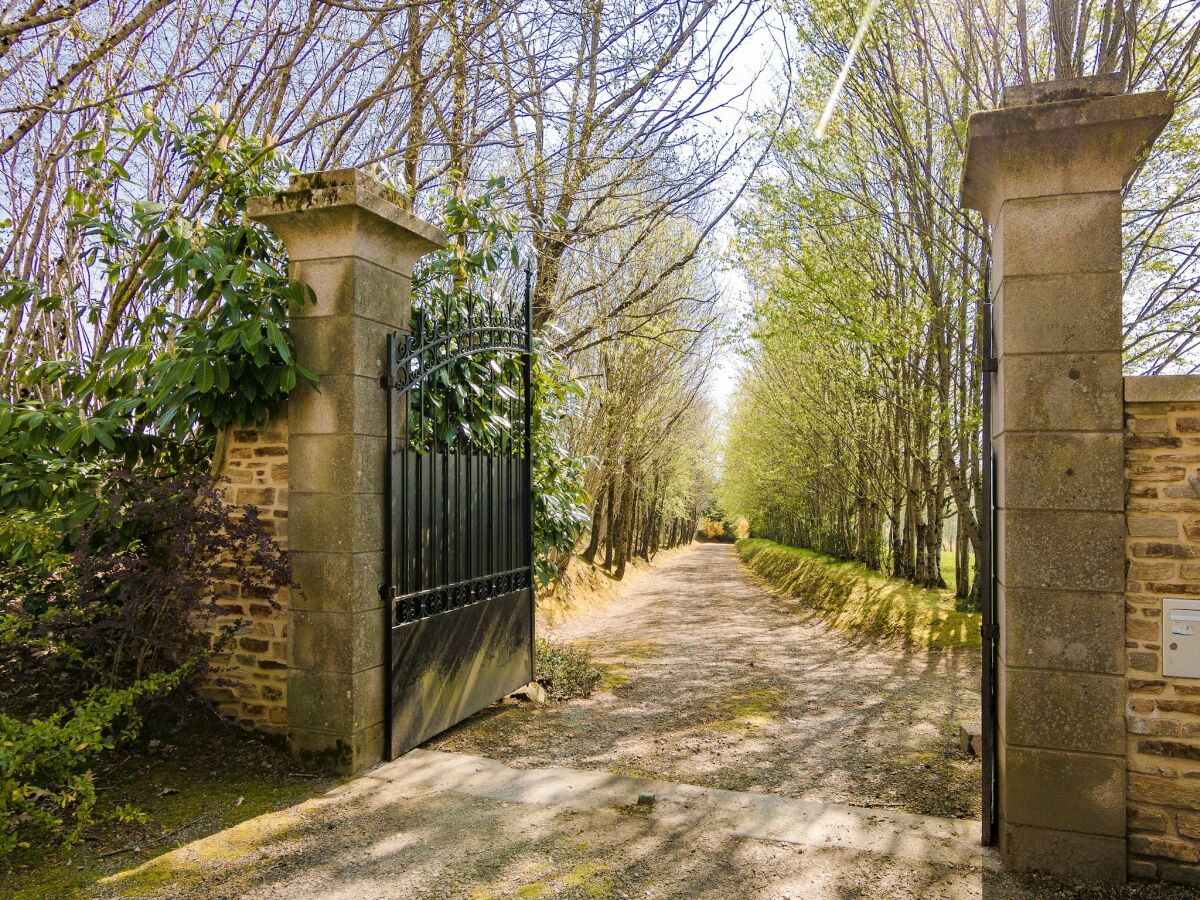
1046, 170
350, 240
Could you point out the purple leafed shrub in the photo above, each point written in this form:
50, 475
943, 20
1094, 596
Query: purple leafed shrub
101, 621
151, 567
135, 591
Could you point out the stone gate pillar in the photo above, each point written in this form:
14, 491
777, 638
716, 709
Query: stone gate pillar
1046, 169
348, 238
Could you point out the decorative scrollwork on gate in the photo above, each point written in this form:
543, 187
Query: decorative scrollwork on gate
459, 417
455, 596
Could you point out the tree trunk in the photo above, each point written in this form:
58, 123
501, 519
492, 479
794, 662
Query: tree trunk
624, 530
962, 562
589, 554
649, 531
610, 532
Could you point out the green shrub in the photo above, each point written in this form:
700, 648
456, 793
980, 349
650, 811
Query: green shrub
565, 671
202, 340
483, 259
98, 620
111, 539
47, 787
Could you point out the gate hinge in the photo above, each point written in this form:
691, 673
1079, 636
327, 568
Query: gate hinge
989, 364
385, 381
990, 632
384, 590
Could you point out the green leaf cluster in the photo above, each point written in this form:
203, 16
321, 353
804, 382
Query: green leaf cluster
187, 307
476, 402
46, 783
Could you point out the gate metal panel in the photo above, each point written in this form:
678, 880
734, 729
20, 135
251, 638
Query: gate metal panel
459, 601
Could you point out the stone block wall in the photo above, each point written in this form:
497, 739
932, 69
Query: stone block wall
249, 679
1162, 449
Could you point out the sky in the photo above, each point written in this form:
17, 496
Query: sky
755, 73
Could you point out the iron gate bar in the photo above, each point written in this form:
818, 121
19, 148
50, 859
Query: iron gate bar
387, 382
527, 392
988, 628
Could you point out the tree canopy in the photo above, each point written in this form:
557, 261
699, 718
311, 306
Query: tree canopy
855, 428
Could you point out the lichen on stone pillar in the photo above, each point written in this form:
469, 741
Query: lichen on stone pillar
350, 240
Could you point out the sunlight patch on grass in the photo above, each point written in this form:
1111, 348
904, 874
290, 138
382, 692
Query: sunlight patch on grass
853, 598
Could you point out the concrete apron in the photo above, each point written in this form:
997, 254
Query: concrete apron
884, 834
949, 842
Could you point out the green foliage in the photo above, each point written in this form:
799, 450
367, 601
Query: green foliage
718, 525
190, 320
94, 622
855, 427
560, 502
476, 401
47, 787
228, 358
128, 814
565, 671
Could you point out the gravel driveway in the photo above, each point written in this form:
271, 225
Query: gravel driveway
712, 681
715, 681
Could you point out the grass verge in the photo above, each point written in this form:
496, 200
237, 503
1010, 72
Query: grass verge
852, 597
585, 588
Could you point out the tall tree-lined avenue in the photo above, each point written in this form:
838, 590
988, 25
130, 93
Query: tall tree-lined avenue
623, 148
856, 428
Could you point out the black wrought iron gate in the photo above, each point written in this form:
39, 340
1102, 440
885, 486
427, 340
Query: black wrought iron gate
987, 575
458, 516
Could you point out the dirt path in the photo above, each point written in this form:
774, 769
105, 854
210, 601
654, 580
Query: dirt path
714, 681
445, 825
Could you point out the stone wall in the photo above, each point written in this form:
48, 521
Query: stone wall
249, 681
1162, 449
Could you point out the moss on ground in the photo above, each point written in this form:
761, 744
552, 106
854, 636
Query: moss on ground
613, 677
632, 770
568, 870
635, 649
747, 710
855, 599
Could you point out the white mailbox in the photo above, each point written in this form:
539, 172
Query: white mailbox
1181, 638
